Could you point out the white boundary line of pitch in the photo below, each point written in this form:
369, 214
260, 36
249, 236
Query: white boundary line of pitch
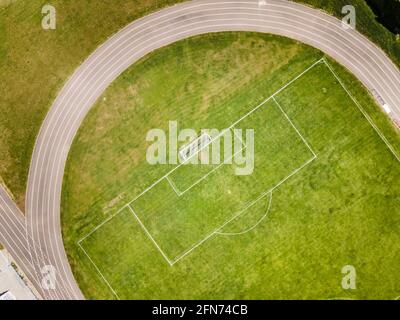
127, 206
150, 236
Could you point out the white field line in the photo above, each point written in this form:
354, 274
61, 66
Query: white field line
294, 127
362, 111
163, 177
251, 228
262, 195
150, 236
98, 270
173, 186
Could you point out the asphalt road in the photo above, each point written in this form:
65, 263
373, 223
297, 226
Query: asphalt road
307, 25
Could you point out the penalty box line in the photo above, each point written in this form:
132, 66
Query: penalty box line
295, 128
150, 236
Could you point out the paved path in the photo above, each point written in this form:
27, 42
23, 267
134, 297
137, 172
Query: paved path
139, 38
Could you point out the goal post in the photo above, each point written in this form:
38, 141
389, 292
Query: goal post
189, 150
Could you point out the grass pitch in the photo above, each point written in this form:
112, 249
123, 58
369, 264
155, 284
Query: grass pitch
341, 208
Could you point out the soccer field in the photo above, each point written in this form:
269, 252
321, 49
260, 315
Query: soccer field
176, 224
323, 192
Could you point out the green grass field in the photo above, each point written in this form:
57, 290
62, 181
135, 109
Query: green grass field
34, 64
301, 218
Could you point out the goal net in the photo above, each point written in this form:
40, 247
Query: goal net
190, 149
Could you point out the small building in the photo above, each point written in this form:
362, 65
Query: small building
12, 286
